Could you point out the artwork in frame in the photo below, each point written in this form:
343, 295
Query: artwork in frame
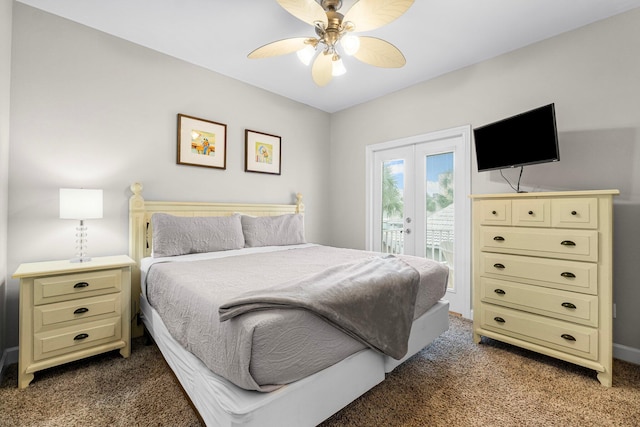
201, 142
262, 152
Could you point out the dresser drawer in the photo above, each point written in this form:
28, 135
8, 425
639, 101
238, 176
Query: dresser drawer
494, 212
575, 213
531, 213
558, 274
75, 338
565, 244
556, 334
72, 286
58, 314
564, 305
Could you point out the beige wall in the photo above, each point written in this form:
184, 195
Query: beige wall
92, 110
591, 75
5, 84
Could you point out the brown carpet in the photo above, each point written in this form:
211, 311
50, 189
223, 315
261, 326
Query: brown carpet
453, 382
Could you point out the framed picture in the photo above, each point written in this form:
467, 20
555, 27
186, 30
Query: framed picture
201, 142
262, 152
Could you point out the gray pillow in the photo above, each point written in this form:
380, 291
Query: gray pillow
178, 235
273, 230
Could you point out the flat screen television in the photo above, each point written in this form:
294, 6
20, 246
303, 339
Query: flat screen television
524, 139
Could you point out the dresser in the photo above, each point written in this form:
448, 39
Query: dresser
69, 311
542, 274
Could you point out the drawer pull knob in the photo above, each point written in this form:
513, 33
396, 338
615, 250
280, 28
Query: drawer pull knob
574, 213
567, 243
499, 239
499, 291
530, 212
499, 319
568, 275
81, 310
80, 337
568, 337
498, 265
494, 213
568, 305
80, 285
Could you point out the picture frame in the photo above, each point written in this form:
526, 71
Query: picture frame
263, 152
201, 142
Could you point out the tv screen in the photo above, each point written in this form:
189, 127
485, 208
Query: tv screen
524, 139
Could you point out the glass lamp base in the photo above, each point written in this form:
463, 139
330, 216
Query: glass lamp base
81, 244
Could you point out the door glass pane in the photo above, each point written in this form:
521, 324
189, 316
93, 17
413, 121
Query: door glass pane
393, 172
439, 210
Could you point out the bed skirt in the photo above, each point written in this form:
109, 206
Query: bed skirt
306, 402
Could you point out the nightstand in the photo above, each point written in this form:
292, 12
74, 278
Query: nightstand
69, 311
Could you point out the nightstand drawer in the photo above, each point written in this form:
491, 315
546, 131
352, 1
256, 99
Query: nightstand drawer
56, 315
552, 273
570, 306
79, 285
74, 338
556, 334
579, 245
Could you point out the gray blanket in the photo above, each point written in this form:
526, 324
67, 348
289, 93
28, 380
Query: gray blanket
372, 300
264, 349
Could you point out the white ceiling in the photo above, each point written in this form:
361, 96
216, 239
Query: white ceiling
436, 36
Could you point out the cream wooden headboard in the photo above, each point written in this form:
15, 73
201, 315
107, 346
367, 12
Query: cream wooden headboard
140, 233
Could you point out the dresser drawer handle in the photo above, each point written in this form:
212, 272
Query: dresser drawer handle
499, 319
530, 212
568, 337
499, 239
568, 305
567, 243
81, 285
574, 213
498, 265
499, 291
568, 275
81, 310
494, 213
81, 337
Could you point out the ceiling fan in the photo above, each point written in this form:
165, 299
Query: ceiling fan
332, 27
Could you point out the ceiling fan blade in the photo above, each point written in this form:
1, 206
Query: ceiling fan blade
280, 47
368, 15
308, 11
322, 69
380, 53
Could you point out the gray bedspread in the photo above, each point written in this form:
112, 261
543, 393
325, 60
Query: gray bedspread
265, 349
372, 300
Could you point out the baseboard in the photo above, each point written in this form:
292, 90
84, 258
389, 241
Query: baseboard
628, 354
9, 357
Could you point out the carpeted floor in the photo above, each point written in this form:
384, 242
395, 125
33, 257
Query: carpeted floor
453, 382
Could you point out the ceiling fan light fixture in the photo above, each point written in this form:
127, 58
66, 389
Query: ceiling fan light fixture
306, 55
337, 68
333, 28
350, 44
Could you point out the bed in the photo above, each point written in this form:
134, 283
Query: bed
257, 391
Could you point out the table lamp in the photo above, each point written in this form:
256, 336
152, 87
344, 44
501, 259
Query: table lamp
80, 204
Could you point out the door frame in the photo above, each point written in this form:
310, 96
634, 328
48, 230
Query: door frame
462, 215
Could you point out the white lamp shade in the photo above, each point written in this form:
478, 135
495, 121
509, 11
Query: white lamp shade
338, 68
350, 44
76, 203
306, 55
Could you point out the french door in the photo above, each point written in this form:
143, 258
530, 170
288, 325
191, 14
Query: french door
418, 204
